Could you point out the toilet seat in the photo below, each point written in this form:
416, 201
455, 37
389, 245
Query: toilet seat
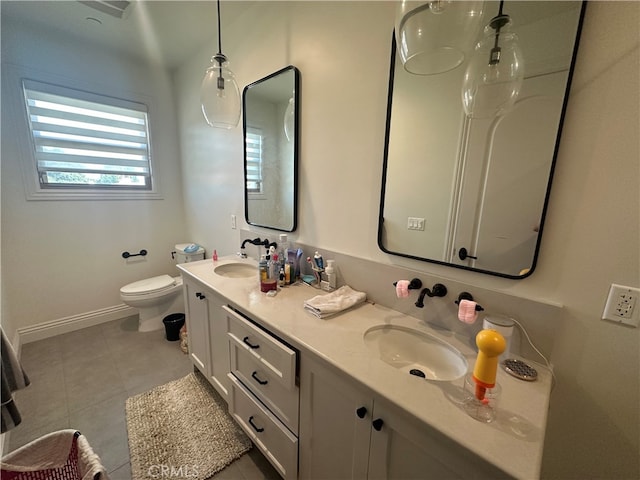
151, 286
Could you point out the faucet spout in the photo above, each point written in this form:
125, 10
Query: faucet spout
256, 241
438, 290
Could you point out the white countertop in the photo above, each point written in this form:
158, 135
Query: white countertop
513, 442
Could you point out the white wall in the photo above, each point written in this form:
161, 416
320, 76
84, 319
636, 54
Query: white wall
592, 232
63, 258
333, 52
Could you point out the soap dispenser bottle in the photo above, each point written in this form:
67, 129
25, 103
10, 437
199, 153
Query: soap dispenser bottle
331, 274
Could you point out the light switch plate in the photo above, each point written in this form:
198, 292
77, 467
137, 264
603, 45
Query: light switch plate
415, 223
623, 305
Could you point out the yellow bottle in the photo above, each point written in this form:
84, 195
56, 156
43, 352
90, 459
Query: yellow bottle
490, 345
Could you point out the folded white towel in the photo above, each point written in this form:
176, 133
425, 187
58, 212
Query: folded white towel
323, 306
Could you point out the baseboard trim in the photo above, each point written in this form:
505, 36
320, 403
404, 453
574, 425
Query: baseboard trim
52, 328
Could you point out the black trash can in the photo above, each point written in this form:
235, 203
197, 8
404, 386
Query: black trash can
172, 325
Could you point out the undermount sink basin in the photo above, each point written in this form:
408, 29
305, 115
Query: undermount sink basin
416, 352
236, 270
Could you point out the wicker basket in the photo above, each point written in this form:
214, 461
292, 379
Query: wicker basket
62, 455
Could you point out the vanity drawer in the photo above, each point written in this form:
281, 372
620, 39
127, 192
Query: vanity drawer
275, 441
282, 401
270, 352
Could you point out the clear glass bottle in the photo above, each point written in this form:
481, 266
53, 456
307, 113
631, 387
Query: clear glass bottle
270, 282
283, 247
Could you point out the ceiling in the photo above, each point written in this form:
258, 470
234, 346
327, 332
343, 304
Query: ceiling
169, 31
164, 31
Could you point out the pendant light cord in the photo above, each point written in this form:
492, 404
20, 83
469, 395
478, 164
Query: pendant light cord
499, 26
220, 57
220, 34
497, 22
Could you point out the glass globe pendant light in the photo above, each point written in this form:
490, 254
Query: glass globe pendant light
435, 36
219, 92
494, 75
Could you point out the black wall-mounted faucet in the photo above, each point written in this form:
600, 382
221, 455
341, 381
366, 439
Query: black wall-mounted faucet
257, 242
438, 290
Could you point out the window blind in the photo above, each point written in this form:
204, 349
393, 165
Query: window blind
87, 140
253, 152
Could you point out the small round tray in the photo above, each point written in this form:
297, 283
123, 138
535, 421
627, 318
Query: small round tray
520, 369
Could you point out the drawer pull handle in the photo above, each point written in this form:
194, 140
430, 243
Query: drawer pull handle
246, 340
200, 295
361, 412
377, 424
254, 375
257, 429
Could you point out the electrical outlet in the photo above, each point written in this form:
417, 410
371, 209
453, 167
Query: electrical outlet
233, 222
415, 223
622, 305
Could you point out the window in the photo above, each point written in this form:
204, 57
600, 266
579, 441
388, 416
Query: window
253, 146
85, 141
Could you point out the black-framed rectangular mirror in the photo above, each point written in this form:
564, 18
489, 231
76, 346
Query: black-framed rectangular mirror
271, 137
472, 193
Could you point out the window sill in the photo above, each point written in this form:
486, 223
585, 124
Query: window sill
92, 195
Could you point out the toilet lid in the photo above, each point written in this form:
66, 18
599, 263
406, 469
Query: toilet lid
148, 285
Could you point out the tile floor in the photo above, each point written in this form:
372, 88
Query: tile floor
82, 379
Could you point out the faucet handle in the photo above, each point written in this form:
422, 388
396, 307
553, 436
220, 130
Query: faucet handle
469, 297
414, 284
438, 290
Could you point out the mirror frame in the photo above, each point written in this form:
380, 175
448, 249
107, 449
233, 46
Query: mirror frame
296, 144
551, 169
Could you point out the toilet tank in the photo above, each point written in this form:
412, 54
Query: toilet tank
190, 256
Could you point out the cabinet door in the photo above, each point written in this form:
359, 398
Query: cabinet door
198, 326
218, 344
335, 424
402, 448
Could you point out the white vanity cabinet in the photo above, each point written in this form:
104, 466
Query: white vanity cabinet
207, 333
264, 395
347, 432
299, 386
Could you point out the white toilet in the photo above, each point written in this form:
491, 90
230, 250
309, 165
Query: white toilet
157, 297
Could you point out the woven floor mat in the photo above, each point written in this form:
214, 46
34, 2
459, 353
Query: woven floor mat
182, 429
